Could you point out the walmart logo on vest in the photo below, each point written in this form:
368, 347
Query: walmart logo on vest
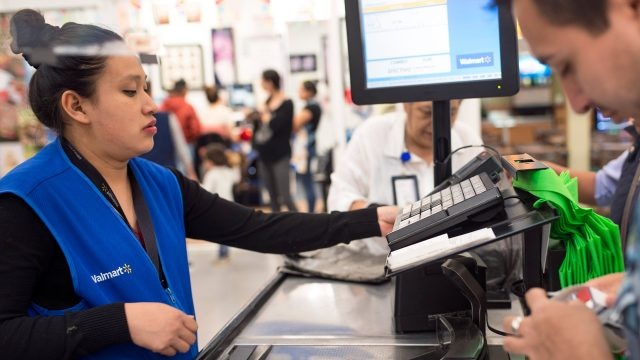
121, 270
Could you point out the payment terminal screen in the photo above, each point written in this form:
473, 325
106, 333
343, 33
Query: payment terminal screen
425, 42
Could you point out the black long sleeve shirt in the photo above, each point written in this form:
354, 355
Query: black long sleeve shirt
33, 268
281, 124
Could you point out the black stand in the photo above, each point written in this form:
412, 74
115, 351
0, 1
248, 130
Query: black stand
441, 140
413, 305
414, 288
471, 289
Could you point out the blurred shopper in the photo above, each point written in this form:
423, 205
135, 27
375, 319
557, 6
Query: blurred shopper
217, 117
169, 145
217, 124
272, 141
177, 104
305, 125
219, 178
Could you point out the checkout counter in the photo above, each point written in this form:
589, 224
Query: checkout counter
296, 317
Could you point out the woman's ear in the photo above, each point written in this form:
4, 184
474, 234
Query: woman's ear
72, 104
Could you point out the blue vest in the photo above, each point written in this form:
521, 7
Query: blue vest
106, 260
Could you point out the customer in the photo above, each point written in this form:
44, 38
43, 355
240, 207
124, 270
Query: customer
93, 257
613, 185
384, 147
572, 36
176, 103
306, 122
398, 144
219, 178
272, 136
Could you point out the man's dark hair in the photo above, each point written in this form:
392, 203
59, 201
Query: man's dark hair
217, 154
179, 86
212, 94
588, 14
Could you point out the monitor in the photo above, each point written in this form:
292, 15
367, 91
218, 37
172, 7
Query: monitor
536, 94
532, 72
241, 96
606, 124
402, 50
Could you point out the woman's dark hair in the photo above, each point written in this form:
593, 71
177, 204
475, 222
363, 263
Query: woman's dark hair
273, 77
217, 154
212, 94
591, 15
39, 43
310, 86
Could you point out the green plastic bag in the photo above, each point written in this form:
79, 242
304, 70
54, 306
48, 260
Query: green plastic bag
592, 242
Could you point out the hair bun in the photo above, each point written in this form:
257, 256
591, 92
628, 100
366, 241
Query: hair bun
30, 31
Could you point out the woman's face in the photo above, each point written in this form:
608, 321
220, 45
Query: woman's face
266, 85
122, 124
303, 93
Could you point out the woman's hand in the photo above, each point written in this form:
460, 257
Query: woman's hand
160, 328
386, 218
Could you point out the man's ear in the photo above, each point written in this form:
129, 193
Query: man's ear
72, 104
633, 5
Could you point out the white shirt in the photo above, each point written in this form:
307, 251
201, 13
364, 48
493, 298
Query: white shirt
219, 180
372, 158
216, 118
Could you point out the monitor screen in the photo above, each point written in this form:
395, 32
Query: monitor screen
532, 71
241, 96
403, 50
606, 124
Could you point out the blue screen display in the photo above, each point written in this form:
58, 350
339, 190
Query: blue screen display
429, 42
533, 72
606, 124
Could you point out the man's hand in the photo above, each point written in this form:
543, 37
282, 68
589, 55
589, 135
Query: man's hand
556, 330
160, 327
386, 218
609, 284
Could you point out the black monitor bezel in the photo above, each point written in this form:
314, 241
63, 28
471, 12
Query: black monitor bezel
507, 86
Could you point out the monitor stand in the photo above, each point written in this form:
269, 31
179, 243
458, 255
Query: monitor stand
441, 140
413, 289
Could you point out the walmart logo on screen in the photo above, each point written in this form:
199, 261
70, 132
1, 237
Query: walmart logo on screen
121, 270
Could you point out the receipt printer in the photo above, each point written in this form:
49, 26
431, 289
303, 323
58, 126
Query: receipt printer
424, 293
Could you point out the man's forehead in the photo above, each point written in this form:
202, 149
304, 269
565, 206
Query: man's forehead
423, 105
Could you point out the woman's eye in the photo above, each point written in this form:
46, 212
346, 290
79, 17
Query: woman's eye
130, 93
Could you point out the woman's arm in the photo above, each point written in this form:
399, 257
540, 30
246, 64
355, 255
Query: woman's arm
301, 119
209, 217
